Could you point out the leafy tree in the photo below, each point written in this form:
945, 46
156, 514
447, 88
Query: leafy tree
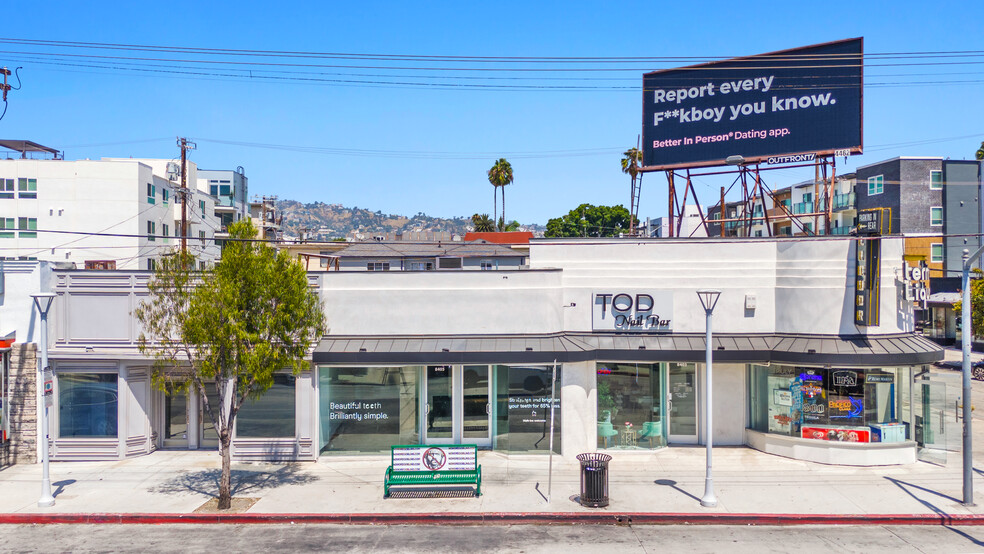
976, 302
587, 220
631, 161
483, 223
500, 175
234, 325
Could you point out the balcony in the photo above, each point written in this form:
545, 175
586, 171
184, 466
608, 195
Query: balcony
840, 231
845, 201
802, 208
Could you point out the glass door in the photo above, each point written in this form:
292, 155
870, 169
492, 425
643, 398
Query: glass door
457, 405
209, 437
438, 413
476, 409
175, 419
930, 416
681, 408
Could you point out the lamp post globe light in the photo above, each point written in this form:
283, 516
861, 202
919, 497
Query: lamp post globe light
42, 301
708, 299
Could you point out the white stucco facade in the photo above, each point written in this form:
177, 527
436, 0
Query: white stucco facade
119, 210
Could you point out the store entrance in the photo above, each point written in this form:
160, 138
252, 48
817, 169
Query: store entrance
457, 405
681, 396
184, 412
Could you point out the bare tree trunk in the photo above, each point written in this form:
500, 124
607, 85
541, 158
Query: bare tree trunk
495, 206
225, 481
504, 222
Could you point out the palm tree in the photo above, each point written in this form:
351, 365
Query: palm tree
500, 175
483, 223
631, 159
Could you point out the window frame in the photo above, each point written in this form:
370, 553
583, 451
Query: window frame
151, 231
151, 191
939, 185
932, 252
876, 185
931, 220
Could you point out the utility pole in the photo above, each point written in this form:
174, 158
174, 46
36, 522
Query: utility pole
185, 145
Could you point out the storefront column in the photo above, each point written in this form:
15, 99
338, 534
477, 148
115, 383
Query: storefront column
579, 409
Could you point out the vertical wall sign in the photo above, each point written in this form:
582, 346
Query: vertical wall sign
867, 278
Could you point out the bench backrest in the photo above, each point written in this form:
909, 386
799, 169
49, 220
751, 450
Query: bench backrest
424, 457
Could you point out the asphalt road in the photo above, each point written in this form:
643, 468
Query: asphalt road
528, 539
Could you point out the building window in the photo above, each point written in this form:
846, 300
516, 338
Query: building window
629, 406
150, 194
27, 227
522, 408
201, 204
378, 266
936, 216
6, 224
165, 232
832, 404
151, 264
151, 231
201, 237
935, 180
272, 414
165, 195
6, 188
936, 252
201, 265
393, 392
487, 264
87, 404
876, 185
27, 188
421, 266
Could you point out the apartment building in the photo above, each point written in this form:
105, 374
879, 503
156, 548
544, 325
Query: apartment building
112, 213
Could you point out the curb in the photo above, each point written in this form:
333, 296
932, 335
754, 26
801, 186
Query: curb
502, 518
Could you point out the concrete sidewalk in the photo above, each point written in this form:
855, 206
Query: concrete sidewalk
669, 481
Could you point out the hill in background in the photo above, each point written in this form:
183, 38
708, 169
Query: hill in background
320, 221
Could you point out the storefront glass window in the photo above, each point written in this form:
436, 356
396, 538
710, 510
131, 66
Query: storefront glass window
272, 414
629, 406
835, 404
87, 404
522, 410
368, 409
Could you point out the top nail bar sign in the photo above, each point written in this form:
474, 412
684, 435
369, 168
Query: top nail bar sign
800, 101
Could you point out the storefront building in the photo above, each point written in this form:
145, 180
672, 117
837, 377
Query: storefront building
600, 340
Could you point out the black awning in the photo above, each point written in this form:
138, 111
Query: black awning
845, 350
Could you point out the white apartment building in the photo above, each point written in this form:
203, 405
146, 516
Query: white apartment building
112, 213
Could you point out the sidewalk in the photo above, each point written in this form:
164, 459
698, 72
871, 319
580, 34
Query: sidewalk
670, 481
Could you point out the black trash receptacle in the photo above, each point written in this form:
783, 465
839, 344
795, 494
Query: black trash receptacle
594, 479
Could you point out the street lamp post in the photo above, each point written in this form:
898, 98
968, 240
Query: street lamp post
43, 303
966, 334
708, 299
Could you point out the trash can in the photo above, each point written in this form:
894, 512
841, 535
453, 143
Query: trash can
594, 479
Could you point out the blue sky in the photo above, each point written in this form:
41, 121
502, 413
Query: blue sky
564, 145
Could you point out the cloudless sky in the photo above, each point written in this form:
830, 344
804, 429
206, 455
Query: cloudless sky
564, 145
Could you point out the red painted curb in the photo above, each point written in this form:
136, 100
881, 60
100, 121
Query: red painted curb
504, 518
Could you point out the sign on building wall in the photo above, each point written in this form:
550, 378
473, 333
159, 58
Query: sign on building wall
916, 285
632, 311
780, 105
867, 285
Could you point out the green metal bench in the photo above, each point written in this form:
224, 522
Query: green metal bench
421, 464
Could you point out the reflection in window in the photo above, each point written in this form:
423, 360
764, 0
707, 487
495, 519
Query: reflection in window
629, 414
87, 404
272, 413
368, 409
522, 410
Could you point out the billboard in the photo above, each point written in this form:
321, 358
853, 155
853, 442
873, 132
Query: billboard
781, 107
